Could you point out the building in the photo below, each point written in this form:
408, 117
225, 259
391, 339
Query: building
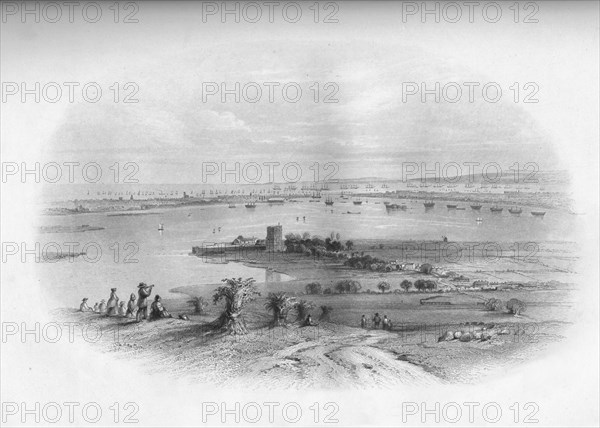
240, 240
274, 241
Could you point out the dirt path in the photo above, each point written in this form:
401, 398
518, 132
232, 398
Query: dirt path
349, 361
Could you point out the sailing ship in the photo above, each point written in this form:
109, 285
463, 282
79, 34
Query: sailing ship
250, 205
357, 202
538, 213
496, 209
328, 201
429, 204
515, 210
476, 207
451, 206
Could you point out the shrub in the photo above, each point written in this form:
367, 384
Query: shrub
493, 304
313, 288
302, 308
347, 286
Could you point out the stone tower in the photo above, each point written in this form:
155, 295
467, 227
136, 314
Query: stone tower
274, 238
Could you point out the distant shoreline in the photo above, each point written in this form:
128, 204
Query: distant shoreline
545, 200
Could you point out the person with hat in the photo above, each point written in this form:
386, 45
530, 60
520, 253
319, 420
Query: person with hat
102, 307
112, 307
131, 306
144, 292
83, 307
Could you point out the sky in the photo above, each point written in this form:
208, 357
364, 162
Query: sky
364, 63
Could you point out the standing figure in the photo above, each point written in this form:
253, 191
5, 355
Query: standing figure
363, 322
96, 307
113, 303
83, 307
144, 292
131, 306
386, 322
376, 320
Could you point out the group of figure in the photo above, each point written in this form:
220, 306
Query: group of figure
136, 306
385, 322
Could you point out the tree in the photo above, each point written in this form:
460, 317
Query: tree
199, 304
430, 285
349, 246
515, 306
313, 288
383, 286
302, 308
236, 294
419, 284
405, 285
280, 304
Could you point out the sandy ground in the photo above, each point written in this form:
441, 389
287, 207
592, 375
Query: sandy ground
327, 356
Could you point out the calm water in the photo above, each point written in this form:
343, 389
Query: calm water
163, 257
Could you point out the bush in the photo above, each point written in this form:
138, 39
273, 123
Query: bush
493, 304
347, 286
327, 291
313, 288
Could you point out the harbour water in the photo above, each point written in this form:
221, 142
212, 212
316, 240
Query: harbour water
134, 250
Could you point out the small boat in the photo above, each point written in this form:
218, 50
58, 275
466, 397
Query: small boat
328, 201
160, 227
357, 202
396, 207
250, 205
538, 213
476, 207
496, 209
451, 206
515, 210
350, 212
429, 204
